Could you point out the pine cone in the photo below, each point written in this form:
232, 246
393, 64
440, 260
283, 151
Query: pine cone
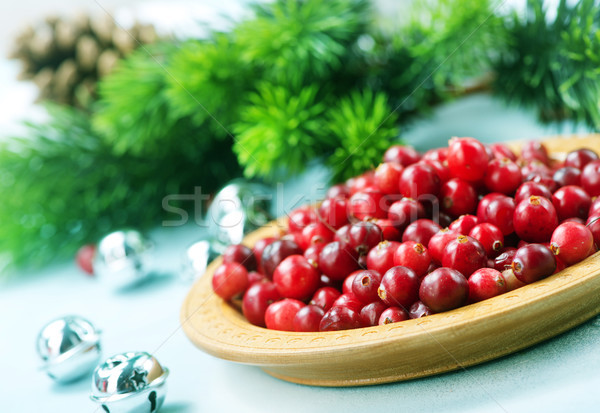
66, 57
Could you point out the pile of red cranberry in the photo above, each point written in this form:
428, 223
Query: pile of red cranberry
419, 235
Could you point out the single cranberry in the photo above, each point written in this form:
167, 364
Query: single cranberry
593, 224
467, 159
512, 282
347, 284
399, 287
486, 283
414, 256
324, 297
387, 176
437, 154
392, 315
502, 151
276, 252
421, 231
483, 204
535, 150
535, 219
571, 201
370, 313
441, 169
437, 244
301, 217
464, 254
340, 318
296, 278
590, 178
464, 224
256, 277
490, 237
405, 211
404, 155
533, 262
369, 203
308, 318
381, 257
567, 176
85, 258
388, 229
295, 237
312, 254
338, 191
363, 236
337, 260
505, 259
503, 176
230, 280
572, 242
315, 233
241, 254
594, 207
419, 309
348, 300
545, 179
531, 188
419, 180
259, 247
365, 285
361, 182
334, 212
458, 197
256, 300
500, 212
342, 234
580, 158
280, 315
444, 289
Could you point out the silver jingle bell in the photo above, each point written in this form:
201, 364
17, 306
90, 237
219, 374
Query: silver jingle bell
130, 383
196, 258
237, 209
69, 348
123, 259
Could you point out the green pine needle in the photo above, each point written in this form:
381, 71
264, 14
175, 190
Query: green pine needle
364, 126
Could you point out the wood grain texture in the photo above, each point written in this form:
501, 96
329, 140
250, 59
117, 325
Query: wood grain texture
406, 350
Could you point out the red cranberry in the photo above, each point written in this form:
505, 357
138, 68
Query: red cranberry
312, 254
421, 231
348, 300
571, 201
404, 155
392, 315
590, 178
361, 182
296, 278
464, 254
567, 176
594, 207
419, 180
500, 212
337, 260
324, 297
366, 204
444, 289
363, 236
458, 197
370, 313
503, 175
489, 236
280, 315
483, 204
365, 285
230, 280
414, 256
502, 151
308, 318
593, 224
85, 257
504, 260
387, 176
240, 254
315, 233
405, 211
486, 283
381, 257
301, 217
533, 262
535, 150
256, 300
334, 212
467, 159
441, 170
535, 219
338, 191
347, 284
545, 179
342, 234
418, 310
437, 244
531, 188
580, 158
389, 231
464, 224
572, 242
399, 287
276, 252
340, 318
256, 277
438, 154
259, 247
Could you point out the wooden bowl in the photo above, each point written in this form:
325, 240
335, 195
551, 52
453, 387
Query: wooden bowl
409, 349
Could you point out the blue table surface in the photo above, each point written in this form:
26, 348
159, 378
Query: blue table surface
561, 374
